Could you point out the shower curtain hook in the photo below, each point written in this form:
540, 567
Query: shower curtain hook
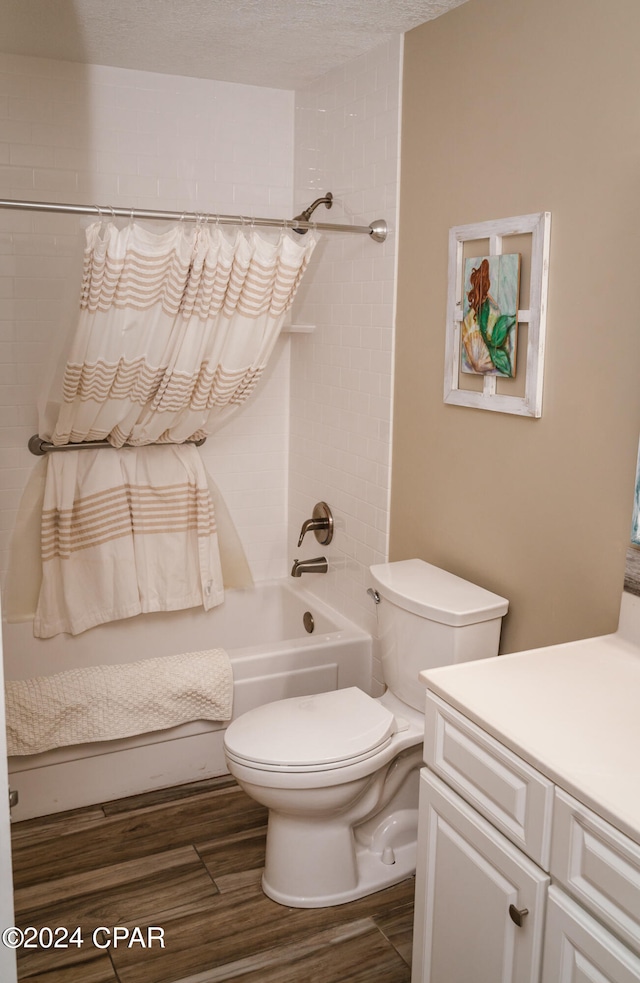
103, 222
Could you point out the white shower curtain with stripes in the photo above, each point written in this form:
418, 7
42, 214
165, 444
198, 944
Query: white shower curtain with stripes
174, 333
175, 330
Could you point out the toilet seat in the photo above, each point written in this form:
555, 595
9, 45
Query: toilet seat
311, 733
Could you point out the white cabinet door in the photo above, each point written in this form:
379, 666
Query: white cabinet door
577, 949
468, 877
7, 956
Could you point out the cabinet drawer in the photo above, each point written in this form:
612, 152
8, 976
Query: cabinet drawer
599, 866
511, 794
577, 949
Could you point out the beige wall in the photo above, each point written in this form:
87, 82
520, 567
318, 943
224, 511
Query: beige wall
511, 108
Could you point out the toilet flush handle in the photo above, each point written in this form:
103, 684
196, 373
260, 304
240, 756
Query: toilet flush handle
373, 594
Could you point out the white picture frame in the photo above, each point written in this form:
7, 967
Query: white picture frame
538, 225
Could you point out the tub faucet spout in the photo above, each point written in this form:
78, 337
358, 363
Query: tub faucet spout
317, 565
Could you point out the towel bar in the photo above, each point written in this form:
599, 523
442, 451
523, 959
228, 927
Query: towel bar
39, 447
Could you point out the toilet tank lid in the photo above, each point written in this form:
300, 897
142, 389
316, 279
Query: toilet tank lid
433, 593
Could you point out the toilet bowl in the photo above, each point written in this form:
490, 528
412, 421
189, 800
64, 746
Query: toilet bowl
339, 771
318, 794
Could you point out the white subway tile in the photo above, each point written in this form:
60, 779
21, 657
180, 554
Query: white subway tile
50, 179
14, 178
137, 185
99, 189
113, 162
114, 135
10, 498
132, 141
336, 373
30, 110
344, 151
17, 131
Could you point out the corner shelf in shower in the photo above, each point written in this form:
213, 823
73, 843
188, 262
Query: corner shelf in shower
298, 328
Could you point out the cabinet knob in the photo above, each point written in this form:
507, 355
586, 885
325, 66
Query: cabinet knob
517, 914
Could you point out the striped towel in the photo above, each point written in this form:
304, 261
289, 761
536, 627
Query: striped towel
104, 703
125, 532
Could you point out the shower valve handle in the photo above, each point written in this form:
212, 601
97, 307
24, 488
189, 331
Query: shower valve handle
321, 523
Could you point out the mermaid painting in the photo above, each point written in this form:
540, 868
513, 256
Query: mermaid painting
489, 324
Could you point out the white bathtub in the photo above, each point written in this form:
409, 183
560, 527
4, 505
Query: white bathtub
273, 657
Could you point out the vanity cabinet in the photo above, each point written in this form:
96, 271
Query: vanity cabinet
516, 882
469, 878
578, 949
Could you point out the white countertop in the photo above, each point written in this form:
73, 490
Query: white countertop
572, 711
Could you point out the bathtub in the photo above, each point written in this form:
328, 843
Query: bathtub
273, 655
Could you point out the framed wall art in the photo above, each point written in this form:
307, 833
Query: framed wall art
496, 314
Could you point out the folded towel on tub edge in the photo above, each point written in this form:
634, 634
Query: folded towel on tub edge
105, 703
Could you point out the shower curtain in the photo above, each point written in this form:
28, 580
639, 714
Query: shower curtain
175, 330
174, 333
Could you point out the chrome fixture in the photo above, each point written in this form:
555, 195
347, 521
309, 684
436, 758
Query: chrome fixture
305, 216
374, 595
317, 565
320, 523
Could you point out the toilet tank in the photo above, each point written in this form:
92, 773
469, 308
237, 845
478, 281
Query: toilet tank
427, 618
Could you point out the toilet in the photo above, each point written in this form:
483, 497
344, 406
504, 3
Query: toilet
339, 771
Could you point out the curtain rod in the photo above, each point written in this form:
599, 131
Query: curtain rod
377, 230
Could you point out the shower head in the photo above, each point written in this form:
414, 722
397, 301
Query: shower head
305, 216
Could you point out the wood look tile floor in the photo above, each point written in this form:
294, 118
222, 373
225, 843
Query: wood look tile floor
188, 860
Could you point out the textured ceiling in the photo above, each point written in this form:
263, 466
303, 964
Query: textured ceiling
281, 44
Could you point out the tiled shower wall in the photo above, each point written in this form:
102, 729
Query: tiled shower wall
320, 426
347, 142
87, 134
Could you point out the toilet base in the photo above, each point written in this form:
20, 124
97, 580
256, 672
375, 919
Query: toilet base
389, 859
343, 834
